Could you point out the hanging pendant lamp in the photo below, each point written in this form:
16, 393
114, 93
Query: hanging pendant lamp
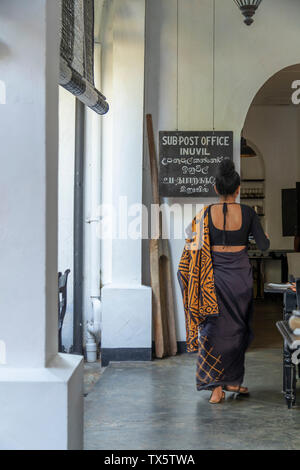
246, 150
248, 9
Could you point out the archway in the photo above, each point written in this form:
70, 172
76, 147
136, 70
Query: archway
271, 129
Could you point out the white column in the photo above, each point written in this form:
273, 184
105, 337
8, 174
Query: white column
126, 317
40, 390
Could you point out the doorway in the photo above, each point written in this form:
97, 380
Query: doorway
271, 129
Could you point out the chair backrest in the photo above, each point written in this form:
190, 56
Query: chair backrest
62, 304
294, 264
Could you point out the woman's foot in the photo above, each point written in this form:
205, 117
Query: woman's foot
237, 389
217, 395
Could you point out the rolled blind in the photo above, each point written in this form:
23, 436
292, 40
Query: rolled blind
77, 53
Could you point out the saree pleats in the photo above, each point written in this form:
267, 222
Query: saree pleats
223, 340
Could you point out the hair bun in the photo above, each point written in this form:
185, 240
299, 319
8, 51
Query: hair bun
226, 167
227, 179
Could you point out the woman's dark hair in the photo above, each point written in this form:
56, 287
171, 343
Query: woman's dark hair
227, 179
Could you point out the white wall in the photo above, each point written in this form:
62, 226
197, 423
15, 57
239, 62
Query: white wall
66, 202
107, 41
245, 58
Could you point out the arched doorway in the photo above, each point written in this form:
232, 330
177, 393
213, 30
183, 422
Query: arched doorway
271, 128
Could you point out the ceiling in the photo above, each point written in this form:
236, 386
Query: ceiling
278, 89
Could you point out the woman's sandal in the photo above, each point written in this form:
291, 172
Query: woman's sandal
214, 402
239, 390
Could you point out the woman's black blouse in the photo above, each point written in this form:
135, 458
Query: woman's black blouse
250, 226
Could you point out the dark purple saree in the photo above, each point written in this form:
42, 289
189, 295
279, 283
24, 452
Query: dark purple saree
223, 339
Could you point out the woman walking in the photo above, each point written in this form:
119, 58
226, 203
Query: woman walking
215, 276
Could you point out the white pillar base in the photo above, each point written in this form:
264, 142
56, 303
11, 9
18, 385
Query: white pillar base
42, 408
126, 323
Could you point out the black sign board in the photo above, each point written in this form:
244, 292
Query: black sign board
189, 161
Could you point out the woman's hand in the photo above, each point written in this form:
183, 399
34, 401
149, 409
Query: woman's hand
293, 287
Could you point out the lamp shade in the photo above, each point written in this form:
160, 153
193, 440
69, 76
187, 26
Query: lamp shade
248, 9
246, 150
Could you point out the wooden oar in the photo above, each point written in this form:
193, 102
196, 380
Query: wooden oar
160, 270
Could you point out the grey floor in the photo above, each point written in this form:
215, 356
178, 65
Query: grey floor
155, 405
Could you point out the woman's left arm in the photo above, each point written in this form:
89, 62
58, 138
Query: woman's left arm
259, 235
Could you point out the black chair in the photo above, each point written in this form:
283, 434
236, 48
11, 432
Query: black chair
62, 305
291, 346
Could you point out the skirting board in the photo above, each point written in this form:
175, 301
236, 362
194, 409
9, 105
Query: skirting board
133, 354
125, 354
181, 347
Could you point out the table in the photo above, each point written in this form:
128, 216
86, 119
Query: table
260, 257
273, 290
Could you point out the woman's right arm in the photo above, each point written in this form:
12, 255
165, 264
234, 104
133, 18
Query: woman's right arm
259, 235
